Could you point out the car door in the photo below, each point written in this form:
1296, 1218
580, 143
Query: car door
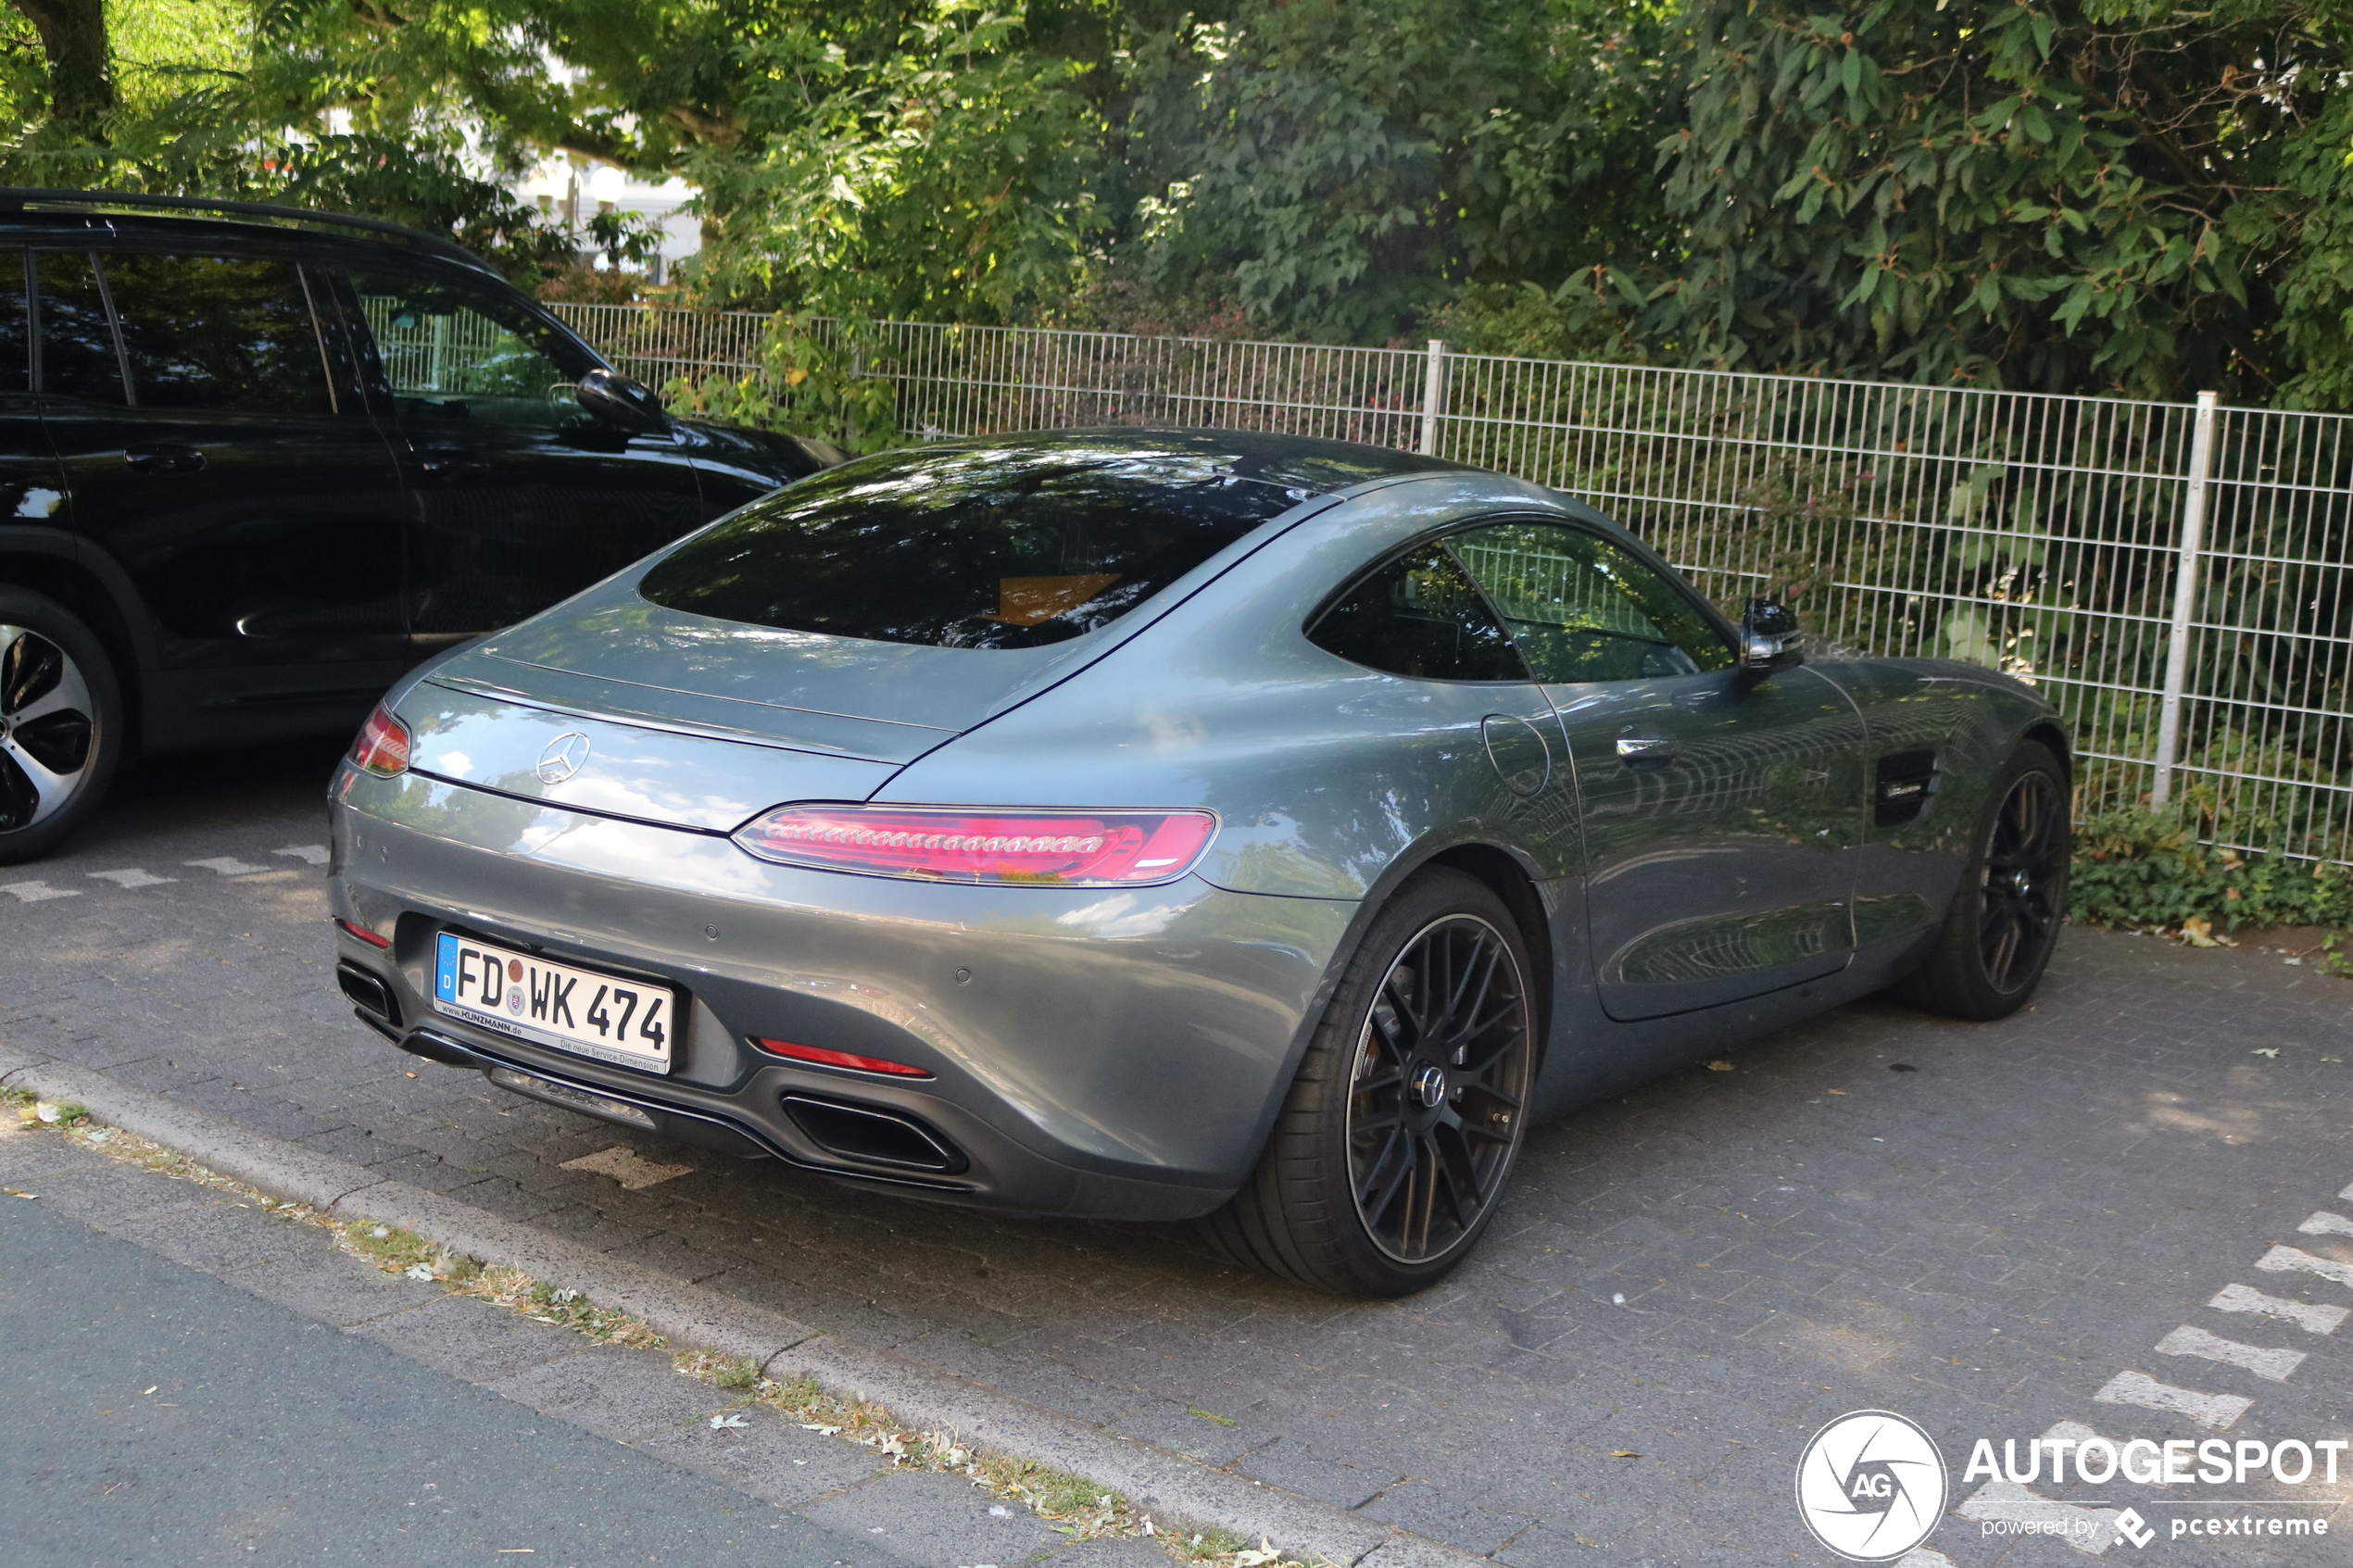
207, 445
1717, 809
519, 498
31, 492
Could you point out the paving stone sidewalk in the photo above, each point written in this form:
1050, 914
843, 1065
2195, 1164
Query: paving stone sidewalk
1977, 1226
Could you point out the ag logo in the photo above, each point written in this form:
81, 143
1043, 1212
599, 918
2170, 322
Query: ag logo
1870, 1485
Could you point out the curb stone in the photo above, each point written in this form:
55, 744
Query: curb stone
1155, 1478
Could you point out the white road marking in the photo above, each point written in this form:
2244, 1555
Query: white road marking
308, 854
34, 892
2009, 1500
2293, 1261
132, 876
2089, 1530
2189, 1341
2311, 1318
225, 865
2325, 1223
624, 1165
2218, 1410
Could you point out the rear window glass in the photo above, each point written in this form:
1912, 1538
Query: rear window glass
969, 548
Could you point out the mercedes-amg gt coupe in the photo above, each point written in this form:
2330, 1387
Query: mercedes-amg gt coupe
1170, 824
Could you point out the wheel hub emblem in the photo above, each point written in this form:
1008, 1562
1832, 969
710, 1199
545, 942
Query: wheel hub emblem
565, 755
1429, 1086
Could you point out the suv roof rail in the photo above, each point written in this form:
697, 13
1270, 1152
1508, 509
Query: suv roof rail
19, 200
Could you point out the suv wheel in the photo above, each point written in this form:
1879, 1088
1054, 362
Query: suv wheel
1399, 1135
60, 725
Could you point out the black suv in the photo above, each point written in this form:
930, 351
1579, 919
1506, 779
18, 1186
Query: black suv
255, 462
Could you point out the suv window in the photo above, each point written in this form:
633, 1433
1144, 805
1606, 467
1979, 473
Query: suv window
79, 354
1582, 609
1420, 615
211, 333
969, 548
231, 334
454, 351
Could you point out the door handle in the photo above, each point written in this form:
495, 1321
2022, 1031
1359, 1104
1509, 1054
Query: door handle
455, 468
1645, 751
158, 462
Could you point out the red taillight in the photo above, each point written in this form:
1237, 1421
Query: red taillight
839, 1059
364, 935
383, 745
1049, 848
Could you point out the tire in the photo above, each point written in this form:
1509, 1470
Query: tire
2005, 919
1398, 1136
60, 725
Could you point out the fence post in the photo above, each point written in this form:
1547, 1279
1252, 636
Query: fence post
2185, 586
1433, 395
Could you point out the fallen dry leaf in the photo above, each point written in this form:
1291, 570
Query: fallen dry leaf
1719, 1066
1623, 1453
1840, 1092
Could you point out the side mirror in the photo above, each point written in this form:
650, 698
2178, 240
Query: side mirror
1769, 639
614, 398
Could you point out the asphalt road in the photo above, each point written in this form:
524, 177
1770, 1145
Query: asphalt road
1991, 1230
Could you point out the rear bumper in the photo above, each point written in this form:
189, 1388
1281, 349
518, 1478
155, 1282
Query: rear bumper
1110, 1053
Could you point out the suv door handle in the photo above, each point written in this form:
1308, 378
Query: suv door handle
158, 462
1645, 751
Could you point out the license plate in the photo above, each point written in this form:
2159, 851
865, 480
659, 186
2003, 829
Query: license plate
578, 1011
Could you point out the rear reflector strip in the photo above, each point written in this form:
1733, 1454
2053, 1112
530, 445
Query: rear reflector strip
824, 1058
364, 935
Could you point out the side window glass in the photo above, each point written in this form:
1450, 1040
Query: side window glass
1583, 610
79, 354
16, 325
1419, 615
456, 353
226, 334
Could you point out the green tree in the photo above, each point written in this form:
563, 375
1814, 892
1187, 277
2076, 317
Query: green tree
2039, 193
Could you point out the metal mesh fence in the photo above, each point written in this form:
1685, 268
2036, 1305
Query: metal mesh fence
2173, 575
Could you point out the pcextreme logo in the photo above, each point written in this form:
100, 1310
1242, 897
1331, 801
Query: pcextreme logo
1872, 1485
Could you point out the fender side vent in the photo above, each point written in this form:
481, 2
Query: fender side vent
873, 1135
1901, 791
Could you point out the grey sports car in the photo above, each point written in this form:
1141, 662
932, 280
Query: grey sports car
1160, 824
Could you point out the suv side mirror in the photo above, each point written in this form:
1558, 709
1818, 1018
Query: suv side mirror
614, 398
1769, 639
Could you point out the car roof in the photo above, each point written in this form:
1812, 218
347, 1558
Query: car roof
69, 214
1306, 464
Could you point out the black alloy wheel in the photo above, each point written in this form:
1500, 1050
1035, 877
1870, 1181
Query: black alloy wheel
60, 723
1440, 1087
2005, 918
2025, 866
1396, 1141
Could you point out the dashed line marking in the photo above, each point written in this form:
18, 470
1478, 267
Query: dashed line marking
2295, 1261
36, 892
2010, 1500
2187, 1340
308, 854
225, 865
626, 1166
2216, 1411
132, 876
2303, 1314
2325, 1223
